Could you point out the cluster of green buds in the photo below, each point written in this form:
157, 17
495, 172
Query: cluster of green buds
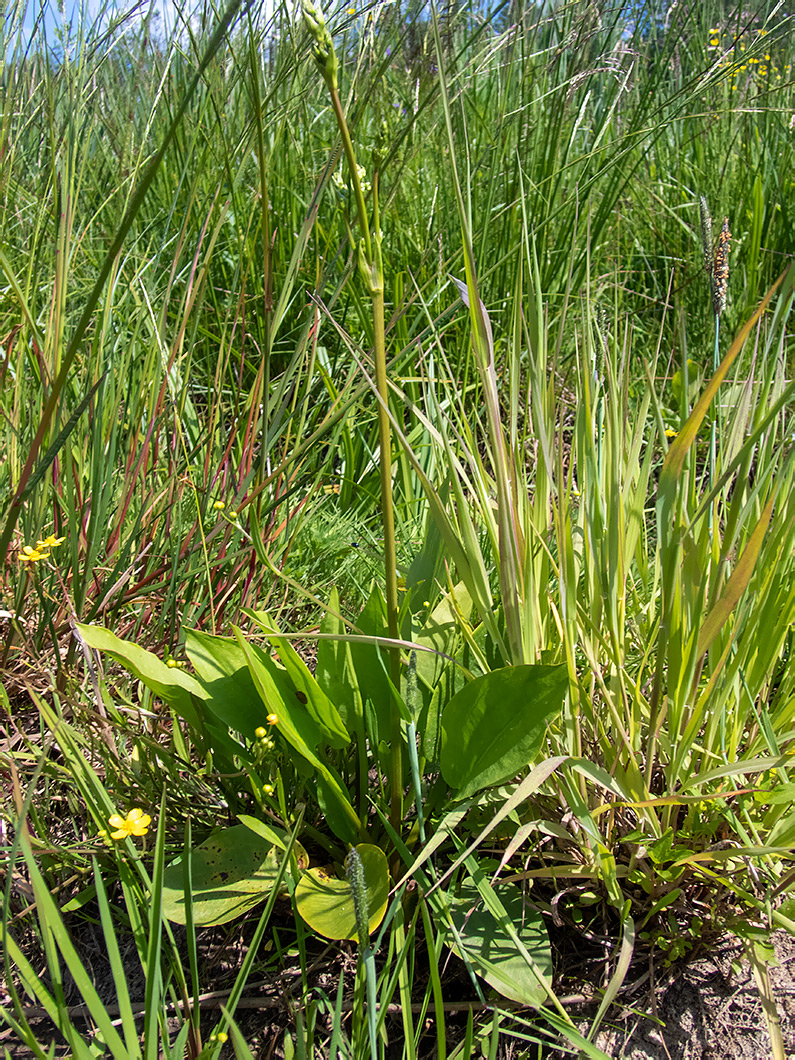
264, 739
322, 46
263, 748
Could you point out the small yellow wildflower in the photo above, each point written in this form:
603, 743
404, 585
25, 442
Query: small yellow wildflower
272, 719
260, 732
51, 541
136, 823
267, 789
31, 555
714, 42
670, 432
219, 506
171, 663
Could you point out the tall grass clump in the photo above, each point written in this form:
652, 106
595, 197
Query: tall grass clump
398, 522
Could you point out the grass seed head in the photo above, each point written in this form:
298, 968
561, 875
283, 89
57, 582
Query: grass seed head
354, 870
720, 270
706, 233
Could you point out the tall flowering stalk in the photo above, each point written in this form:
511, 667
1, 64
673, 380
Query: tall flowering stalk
371, 270
716, 265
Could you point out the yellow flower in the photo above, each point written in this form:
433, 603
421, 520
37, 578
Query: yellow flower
136, 823
51, 541
670, 432
219, 506
272, 719
32, 555
714, 42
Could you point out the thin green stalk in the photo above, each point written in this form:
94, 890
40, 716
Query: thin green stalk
371, 269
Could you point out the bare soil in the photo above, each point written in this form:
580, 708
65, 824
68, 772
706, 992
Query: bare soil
708, 1009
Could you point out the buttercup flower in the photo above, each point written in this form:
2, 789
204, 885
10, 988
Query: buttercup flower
51, 541
32, 555
272, 719
136, 823
670, 432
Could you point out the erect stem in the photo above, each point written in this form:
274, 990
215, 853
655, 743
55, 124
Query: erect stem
390, 562
372, 271
354, 171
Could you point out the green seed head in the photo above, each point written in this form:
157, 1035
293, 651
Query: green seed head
355, 873
706, 232
322, 44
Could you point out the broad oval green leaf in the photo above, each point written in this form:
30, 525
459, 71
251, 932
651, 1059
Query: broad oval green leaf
494, 953
493, 728
231, 695
172, 685
326, 903
232, 872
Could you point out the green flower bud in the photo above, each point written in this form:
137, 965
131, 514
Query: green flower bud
322, 44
